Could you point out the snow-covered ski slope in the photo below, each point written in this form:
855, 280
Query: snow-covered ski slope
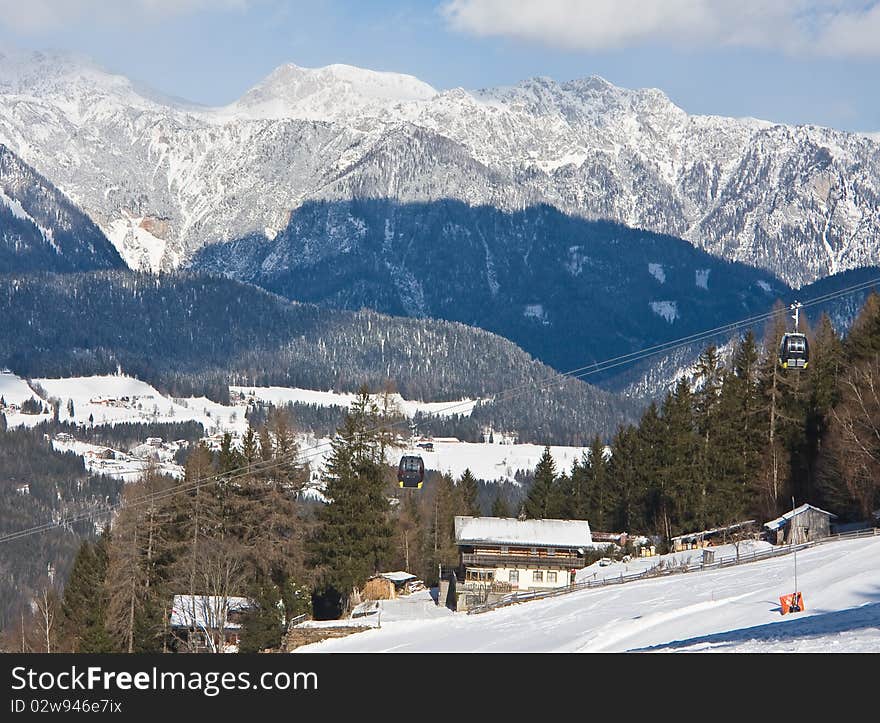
733, 609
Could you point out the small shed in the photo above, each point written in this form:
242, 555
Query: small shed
389, 585
802, 524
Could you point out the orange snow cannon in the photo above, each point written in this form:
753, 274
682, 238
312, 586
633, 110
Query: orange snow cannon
793, 603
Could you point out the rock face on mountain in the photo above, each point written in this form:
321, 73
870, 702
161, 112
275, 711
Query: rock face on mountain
163, 178
41, 230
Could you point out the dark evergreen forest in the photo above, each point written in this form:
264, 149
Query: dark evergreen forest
58, 487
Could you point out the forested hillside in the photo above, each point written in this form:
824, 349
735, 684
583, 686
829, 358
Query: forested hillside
192, 335
739, 440
39, 485
567, 290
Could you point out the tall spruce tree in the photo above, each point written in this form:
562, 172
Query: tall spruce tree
627, 509
745, 381
500, 507
440, 540
353, 538
469, 492
826, 366
676, 480
84, 602
599, 501
540, 500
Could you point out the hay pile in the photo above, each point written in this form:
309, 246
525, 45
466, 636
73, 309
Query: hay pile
378, 588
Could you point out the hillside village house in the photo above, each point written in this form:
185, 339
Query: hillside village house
208, 623
802, 524
503, 554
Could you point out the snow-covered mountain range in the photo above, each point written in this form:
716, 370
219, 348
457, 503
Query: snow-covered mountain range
162, 177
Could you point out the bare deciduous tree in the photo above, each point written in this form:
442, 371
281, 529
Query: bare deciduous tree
855, 434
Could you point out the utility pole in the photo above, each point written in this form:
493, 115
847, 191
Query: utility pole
792, 539
796, 308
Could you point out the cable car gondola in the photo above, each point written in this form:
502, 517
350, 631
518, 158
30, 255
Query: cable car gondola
794, 350
411, 472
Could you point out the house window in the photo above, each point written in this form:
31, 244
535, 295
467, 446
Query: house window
537, 576
514, 576
551, 577
504, 549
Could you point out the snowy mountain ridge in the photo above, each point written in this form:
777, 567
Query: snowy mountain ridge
162, 177
332, 93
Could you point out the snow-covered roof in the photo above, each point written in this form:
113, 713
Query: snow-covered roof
399, 576
205, 610
780, 521
512, 531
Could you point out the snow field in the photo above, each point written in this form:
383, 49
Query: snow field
733, 609
115, 399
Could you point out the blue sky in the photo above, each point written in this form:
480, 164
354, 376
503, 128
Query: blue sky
795, 61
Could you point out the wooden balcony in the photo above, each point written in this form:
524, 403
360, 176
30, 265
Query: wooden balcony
531, 562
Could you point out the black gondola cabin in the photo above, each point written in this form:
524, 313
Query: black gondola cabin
794, 351
411, 472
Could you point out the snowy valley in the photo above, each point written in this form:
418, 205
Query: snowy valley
120, 399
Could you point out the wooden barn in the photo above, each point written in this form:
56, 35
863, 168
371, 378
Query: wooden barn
802, 524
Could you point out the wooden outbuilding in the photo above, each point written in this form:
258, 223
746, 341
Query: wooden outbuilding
802, 524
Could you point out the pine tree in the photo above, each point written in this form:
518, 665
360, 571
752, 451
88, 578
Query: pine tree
440, 541
266, 447
863, 340
826, 366
469, 492
499, 505
353, 538
263, 625
250, 448
628, 492
575, 500
598, 505
540, 499
230, 458
84, 602
746, 389
676, 482
136, 571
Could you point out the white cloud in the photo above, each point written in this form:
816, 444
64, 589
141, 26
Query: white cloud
35, 16
801, 27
